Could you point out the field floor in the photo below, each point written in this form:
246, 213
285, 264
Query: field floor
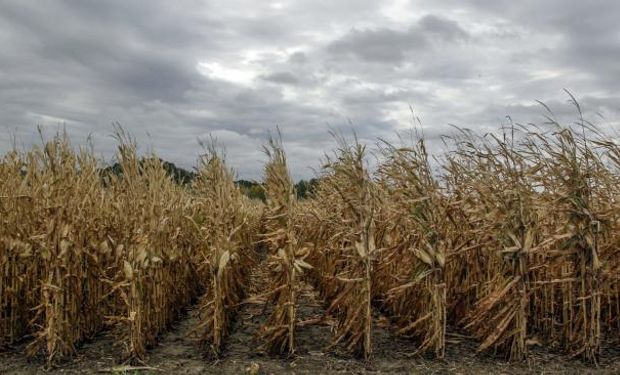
178, 352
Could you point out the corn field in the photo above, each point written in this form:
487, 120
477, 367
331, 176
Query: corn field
512, 238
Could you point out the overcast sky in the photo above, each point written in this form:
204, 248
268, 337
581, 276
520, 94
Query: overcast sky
171, 72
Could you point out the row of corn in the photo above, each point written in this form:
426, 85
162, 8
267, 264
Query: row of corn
511, 238
86, 250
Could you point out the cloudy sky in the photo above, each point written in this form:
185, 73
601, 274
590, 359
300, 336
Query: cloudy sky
173, 72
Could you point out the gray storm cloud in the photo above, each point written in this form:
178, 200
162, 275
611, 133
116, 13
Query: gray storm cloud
173, 73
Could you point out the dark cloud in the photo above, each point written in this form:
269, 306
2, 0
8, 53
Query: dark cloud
386, 45
298, 58
378, 45
442, 28
286, 78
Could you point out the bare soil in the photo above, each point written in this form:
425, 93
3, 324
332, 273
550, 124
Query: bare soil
178, 353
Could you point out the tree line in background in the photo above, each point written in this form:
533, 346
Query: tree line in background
252, 189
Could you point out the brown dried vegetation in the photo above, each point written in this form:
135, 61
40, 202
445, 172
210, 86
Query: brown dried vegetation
228, 224
513, 238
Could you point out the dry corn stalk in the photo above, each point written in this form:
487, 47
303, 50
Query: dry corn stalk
154, 277
343, 241
415, 223
535, 219
286, 261
59, 288
227, 226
